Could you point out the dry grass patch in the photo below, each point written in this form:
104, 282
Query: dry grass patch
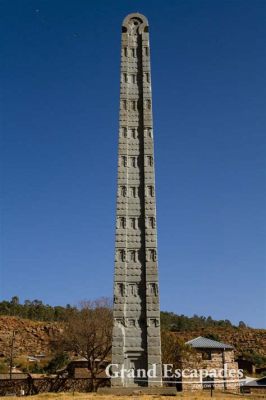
181, 396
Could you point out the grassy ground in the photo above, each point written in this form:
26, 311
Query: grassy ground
181, 396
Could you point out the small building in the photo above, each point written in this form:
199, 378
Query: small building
213, 364
255, 386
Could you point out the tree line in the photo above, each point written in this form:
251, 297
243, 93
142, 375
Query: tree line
35, 310
38, 311
179, 323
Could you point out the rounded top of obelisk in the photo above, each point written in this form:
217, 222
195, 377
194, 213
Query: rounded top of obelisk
135, 22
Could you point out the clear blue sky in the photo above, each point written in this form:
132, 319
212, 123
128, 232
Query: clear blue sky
59, 118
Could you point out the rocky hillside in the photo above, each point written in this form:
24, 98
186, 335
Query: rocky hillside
32, 338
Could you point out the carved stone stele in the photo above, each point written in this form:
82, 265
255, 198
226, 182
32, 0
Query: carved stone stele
136, 334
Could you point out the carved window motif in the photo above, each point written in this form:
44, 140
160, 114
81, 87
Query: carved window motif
124, 132
120, 289
133, 52
122, 255
122, 222
150, 191
123, 161
147, 77
123, 191
133, 223
133, 161
133, 105
131, 322
147, 104
148, 132
132, 78
132, 289
132, 255
146, 51
125, 51
133, 191
153, 289
149, 161
151, 222
124, 78
133, 133
152, 256
124, 104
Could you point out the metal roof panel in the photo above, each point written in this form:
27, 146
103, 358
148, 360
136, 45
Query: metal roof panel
205, 343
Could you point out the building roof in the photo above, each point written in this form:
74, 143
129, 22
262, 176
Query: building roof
261, 382
204, 343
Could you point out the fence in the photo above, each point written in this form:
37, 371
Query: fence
32, 386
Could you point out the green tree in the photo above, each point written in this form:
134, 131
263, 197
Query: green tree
59, 361
15, 300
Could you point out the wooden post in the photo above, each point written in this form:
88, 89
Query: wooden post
11, 354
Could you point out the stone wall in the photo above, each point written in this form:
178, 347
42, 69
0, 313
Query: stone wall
219, 360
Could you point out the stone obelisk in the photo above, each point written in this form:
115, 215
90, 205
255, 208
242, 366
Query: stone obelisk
136, 335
